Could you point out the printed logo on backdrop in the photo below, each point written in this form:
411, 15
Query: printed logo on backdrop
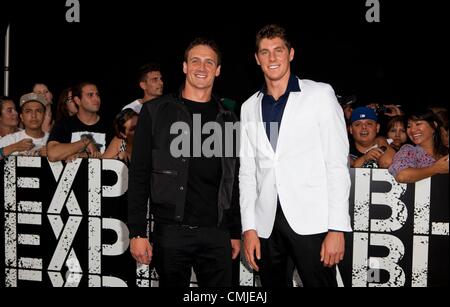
64, 226
400, 234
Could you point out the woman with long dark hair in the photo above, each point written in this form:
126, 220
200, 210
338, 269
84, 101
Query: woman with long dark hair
429, 157
121, 146
66, 105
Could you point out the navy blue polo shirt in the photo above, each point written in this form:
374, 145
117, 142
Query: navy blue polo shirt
273, 110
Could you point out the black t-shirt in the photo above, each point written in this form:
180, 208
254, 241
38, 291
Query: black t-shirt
204, 173
70, 130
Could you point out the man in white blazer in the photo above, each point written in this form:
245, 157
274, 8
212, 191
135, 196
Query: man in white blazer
294, 177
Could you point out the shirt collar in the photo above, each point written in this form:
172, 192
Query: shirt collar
293, 86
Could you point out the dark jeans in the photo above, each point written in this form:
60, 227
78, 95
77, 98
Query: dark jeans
178, 248
283, 244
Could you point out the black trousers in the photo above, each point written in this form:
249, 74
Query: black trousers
178, 248
285, 247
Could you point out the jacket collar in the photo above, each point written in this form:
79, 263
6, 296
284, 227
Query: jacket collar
293, 86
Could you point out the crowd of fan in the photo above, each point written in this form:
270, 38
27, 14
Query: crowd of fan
412, 146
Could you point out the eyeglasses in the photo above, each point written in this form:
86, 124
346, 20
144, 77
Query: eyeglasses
68, 99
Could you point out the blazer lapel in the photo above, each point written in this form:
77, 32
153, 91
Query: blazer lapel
261, 130
289, 116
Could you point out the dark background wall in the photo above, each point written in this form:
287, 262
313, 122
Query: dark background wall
401, 60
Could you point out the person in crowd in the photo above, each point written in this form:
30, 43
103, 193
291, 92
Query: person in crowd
42, 89
347, 104
66, 105
151, 82
124, 126
384, 113
442, 115
428, 157
294, 181
368, 150
82, 135
193, 196
9, 118
396, 132
32, 140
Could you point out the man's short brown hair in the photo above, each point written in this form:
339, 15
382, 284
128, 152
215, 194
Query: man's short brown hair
270, 32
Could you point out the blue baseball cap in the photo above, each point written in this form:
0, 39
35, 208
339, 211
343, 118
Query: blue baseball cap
363, 113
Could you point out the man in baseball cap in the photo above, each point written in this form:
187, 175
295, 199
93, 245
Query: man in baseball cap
363, 113
32, 140
33, 97
367, 149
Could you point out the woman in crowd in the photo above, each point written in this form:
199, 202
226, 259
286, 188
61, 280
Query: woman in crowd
442, 115
42, 89
121, 146
429, 157
66, 106
396, 132
9, 118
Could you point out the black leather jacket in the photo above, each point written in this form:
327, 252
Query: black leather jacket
156, 175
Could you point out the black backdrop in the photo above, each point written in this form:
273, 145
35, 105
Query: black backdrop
397, 60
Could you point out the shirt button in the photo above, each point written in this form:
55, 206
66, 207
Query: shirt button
181, 188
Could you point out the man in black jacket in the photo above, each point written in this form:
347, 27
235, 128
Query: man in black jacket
193, 192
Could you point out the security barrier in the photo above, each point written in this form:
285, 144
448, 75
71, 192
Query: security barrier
64, 226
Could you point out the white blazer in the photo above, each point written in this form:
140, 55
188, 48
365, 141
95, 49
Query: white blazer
308, 172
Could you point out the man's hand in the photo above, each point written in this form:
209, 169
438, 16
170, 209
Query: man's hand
441, 165
72, 158
393, 110
235, 248
23, 145
43, 151
141, 250
373, 154
92, 151
333, 248
251, 247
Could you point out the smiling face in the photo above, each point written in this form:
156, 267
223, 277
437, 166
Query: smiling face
364, 131
421, 132
201, 67
274, 57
